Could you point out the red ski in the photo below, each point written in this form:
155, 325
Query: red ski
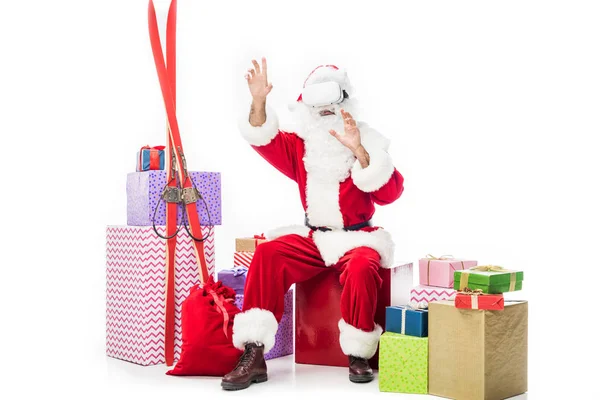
180, 187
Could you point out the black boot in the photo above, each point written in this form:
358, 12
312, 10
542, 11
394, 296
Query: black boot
251, 368
360, 370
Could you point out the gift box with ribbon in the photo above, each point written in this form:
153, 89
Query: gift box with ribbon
234, 277
439, 271
284, 338
403, 363
144, 190
491, 279
407, 320
249, 244
476, 300
151, 158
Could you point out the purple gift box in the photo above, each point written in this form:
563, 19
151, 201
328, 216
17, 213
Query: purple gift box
144, 190
235, 278
284, 339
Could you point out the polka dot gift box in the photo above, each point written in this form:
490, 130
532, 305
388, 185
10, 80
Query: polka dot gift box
144, 190
284, 339
403, 363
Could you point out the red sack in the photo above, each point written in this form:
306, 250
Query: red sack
207, 324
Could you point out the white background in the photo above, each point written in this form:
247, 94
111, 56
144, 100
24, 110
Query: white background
492, 108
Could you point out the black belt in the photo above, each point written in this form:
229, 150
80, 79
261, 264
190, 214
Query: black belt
355, 227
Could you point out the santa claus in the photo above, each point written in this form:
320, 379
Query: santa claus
342, 169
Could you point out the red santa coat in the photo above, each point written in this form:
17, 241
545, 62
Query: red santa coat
334, 189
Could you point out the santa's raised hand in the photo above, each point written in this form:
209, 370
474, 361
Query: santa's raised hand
257, 81
351, 138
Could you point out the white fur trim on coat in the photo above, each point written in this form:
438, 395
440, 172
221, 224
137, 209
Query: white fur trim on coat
260, 135
334, 244
377, 174
254, 326
358, 343
288, 230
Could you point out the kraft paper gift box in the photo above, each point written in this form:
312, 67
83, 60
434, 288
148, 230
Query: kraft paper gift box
477, 354
135, 290
475, 301
144, 191
235, 278
434, 271
406, 321
284, 338
422, 293
403, 363
489, 279
249, 244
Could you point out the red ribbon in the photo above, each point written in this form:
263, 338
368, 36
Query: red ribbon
257, 238
219, 303
154, 156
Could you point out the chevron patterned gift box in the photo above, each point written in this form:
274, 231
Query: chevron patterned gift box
431, 293
135, 285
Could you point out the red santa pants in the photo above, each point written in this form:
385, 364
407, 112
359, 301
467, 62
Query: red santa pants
279, 263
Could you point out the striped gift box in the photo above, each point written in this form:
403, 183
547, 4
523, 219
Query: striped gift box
242, 258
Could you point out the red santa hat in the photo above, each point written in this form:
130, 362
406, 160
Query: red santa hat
328, 73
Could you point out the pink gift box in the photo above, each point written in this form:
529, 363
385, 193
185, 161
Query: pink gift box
440, 273
135, 290
428, 294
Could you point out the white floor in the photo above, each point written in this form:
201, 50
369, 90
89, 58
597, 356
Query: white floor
284, 377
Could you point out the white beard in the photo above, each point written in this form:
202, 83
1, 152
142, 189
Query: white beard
327, 162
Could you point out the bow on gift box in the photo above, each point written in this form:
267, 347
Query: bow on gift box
241, 270
154, 157
257, 238
473, 293
429, 258
464, 278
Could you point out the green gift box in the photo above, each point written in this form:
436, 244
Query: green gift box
403, 363
489, 278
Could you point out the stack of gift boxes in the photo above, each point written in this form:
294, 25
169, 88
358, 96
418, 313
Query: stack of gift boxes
458, 337
235, 278
135, 262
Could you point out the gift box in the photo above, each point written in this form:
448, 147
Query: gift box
151, 158
235, 278
489, 279
318, 313
477, 301
144, 191
434, 271
422, 293
249, 244
477, 355
284, 338
406, 321
135, 290
403, 363
242, 258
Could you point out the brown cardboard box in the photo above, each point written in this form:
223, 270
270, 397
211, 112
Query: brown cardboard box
247, 244
477, 354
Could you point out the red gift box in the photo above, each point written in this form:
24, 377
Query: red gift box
477, 301
318, 311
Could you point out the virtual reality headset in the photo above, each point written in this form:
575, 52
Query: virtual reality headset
323, 94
